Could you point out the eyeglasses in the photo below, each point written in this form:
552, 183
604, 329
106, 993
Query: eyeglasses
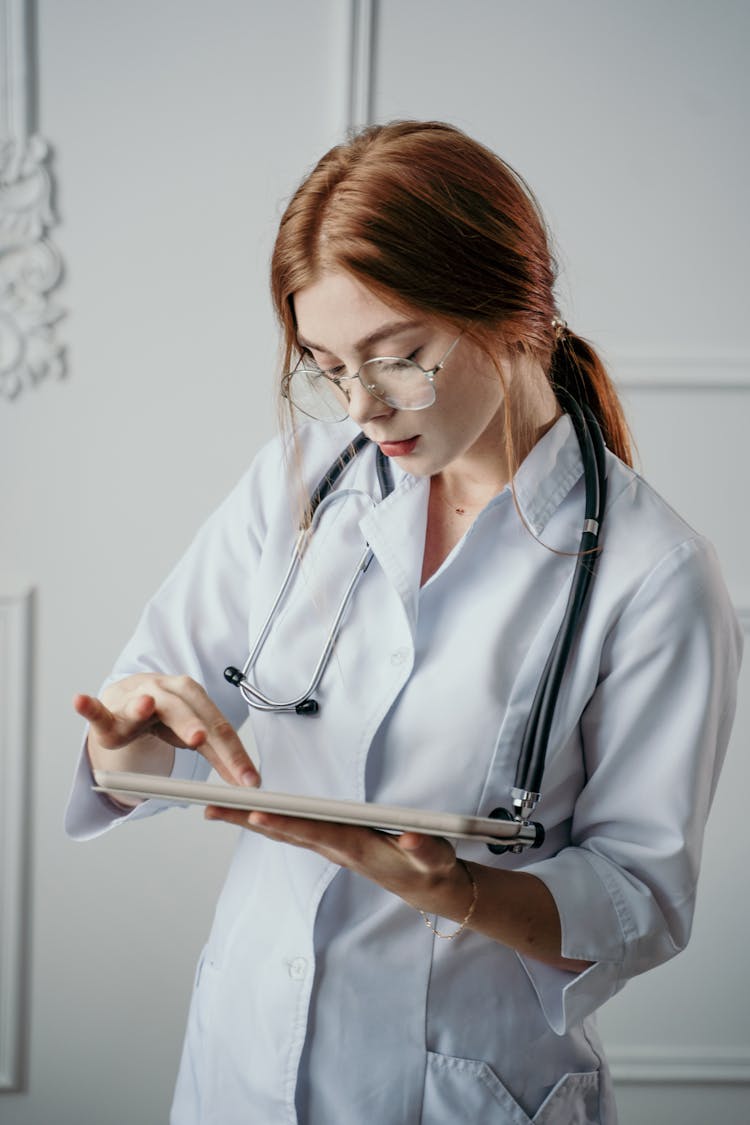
400, 383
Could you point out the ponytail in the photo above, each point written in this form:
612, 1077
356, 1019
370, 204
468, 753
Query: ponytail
577, 369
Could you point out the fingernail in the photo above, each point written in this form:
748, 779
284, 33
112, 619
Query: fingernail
250, 778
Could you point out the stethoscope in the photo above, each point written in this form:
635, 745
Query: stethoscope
526, 790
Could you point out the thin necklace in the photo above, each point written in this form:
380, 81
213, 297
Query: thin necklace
459, 509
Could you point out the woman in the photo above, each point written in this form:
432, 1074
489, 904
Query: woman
321, 997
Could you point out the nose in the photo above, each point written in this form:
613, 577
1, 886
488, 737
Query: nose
363, 406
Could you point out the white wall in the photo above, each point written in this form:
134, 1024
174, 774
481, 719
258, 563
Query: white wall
179, 127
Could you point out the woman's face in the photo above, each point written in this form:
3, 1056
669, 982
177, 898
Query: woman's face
341, 323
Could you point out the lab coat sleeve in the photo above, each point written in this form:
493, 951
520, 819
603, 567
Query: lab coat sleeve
654, 736
195, 624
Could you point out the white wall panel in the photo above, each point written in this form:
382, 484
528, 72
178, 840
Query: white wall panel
15, 699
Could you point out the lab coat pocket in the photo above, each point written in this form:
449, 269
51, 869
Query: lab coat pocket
574, 1100
468, 1090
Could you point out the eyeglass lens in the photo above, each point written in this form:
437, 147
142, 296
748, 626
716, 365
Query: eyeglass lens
397, 382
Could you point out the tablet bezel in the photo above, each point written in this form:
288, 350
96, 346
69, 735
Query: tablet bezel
384, 818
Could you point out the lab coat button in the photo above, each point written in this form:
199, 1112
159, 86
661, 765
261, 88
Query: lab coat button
297, 968
399, 656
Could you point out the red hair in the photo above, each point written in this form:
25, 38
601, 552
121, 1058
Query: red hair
430, 219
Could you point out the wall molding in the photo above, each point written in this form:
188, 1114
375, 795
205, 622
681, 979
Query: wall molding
363, 16
684, 1066
681, 373
15, 709
30, 265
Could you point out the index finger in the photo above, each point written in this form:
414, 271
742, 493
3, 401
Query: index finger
222, 747
213, 736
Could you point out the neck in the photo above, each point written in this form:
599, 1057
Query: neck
467, 488
470, 482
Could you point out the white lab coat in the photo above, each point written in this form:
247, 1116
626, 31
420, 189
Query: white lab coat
322, 999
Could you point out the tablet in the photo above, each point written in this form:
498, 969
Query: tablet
386, 818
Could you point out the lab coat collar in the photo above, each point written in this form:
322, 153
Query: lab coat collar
548, 474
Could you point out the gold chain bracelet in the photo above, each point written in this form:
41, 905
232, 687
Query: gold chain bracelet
467, 919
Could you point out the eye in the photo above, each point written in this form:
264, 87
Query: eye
310, 362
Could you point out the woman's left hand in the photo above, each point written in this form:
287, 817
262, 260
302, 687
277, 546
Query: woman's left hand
422, 870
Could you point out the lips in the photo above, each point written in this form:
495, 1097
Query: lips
398, 448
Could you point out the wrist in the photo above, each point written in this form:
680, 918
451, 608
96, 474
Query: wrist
458, 904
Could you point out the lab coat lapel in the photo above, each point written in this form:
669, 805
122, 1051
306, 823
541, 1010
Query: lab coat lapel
395, 530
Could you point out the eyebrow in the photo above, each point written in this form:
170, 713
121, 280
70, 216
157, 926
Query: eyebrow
392, 328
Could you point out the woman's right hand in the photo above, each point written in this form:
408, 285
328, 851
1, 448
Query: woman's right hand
138, 721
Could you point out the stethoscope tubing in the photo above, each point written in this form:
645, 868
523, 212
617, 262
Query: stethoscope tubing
532, 755
252, 694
